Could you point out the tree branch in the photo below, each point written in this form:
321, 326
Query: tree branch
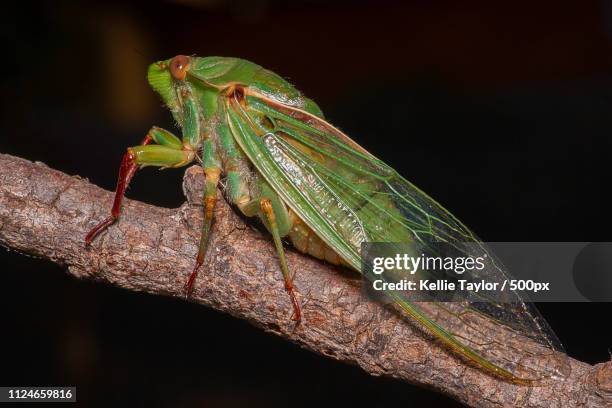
47, 213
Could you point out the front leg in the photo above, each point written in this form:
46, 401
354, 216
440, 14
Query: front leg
169, 152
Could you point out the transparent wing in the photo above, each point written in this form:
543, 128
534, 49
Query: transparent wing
349, 197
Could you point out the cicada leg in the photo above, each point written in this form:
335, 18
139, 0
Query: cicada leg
273, 212
210, 200
268, 211
168, 153
212, 170
127, 169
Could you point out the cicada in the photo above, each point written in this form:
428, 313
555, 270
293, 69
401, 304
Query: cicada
312, 185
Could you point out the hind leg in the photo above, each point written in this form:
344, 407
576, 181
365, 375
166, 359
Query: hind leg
268, 206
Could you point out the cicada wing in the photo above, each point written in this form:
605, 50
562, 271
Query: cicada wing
348, 197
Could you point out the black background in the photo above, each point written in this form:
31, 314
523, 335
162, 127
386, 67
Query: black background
503, 113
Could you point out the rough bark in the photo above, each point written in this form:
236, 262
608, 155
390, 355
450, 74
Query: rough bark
47, 213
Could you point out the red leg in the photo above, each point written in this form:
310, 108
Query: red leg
297, 310
126, 172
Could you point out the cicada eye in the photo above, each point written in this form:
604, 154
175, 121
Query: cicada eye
179, 66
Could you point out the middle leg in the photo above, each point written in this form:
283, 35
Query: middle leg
212, 171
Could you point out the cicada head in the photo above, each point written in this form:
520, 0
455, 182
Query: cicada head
183, 78
161, 79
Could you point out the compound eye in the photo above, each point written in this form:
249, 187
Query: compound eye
179, 66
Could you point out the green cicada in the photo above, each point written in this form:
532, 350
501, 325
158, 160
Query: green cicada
312, 185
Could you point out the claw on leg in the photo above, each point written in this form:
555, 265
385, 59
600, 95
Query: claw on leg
192, 278
297, 310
